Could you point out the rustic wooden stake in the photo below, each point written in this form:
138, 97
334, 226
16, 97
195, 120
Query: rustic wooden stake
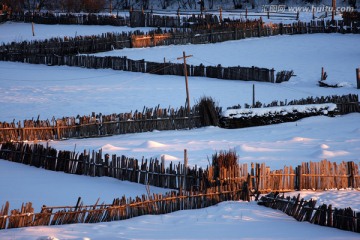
185, 169
322, 74
164, 66
253, 96
221, 14
33, 28
186, 81
313, 14
358, 77
333, 10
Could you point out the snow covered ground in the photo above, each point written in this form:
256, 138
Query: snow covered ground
29, 90
18, 32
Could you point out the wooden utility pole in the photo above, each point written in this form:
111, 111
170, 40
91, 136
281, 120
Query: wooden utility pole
186, 80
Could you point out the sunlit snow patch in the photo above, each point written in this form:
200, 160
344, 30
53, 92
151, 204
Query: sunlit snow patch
247, 148
109, 147
151, 144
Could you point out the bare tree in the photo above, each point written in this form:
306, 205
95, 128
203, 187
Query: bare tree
164, 4
53, 5
93, 6
14, 5
237, 4
71, 5
34, 5
211, 4
145, 4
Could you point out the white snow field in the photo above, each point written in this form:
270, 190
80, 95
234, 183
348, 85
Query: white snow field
27, 91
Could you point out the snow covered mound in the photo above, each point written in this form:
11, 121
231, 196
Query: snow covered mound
151, 144
284, 110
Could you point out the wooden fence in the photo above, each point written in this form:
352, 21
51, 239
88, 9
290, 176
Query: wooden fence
70, 18
149, 119
135, 18
224, 171
3, 17
167, 68
120, 209
310, 175
224, 180
325, 215
344, 104
96, 125
336, 99
196, 35
96, 164
61, 51
138, 18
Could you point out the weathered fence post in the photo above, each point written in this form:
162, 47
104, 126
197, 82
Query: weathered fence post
58, 130
358, 77
333, 13
350, 173
33, 29
253, 176
253, 96
185, 167
299, 178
